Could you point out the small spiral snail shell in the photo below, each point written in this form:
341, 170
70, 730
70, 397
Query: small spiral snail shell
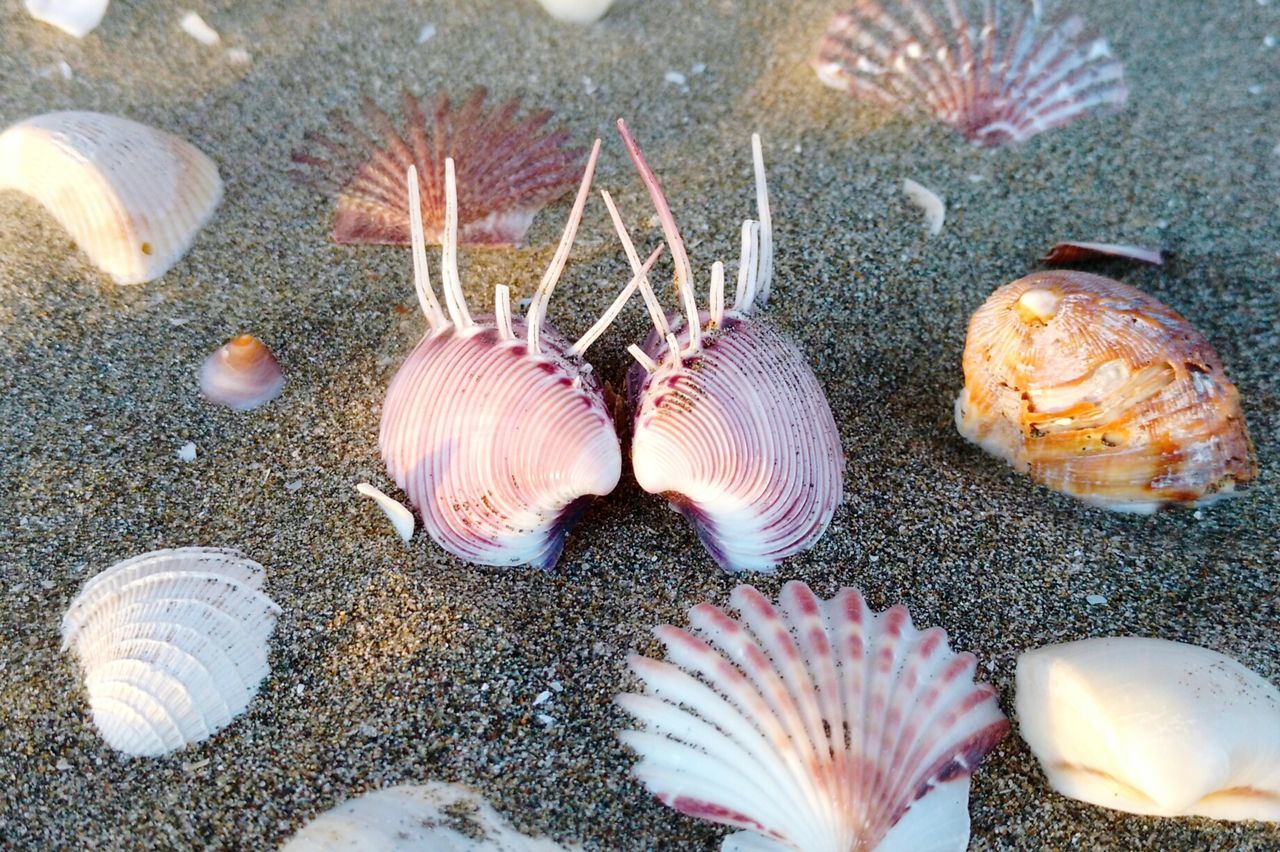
1100, 391
730, 424
495, 427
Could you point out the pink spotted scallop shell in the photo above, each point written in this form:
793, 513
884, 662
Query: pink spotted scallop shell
508, 169
987, 68
495, 426
813, 725
730, 424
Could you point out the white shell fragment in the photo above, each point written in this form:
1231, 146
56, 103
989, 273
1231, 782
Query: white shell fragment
935, 211
576, 11
425, 817
172, 645
815, 725
1082, 252
495, 427
196, 27
400, 517
131, 196
730, 423
1151, 726
76, 17
241, 374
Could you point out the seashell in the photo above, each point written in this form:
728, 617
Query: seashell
76, 17
1075, 252
576, 11
241, 374
993, 75
131, 196
172, 644
1151, 726
433, 817
198, 28
730, 424
935, 209
815, 725
507, 171
401, 518
1101, 392
495, 427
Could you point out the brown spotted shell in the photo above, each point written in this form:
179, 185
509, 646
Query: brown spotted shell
1100, 391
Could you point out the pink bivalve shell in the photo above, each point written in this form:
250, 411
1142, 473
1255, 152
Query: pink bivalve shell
813, 725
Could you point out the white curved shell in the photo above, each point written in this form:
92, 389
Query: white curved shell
990, 69
576, 11
172, 645
76, 17
730, 424
815, 725
131, 196
415, 817
1152, 727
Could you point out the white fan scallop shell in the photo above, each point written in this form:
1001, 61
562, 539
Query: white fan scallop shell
172, 645
131, 196
730, 423
415, 817
815, 725
1152, 727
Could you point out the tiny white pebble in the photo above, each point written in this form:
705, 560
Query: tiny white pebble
675, 77
557, 686
546, 720
1198, 515
698, 67
588, 85
62, 765
543, 697
47, 584
64, 69
797, 149
484, 687
88, 427
426, 33
177, 322
199, 764
977, 178
1096, 600
293, 486
1269, 41
187, 452
1255, 89
195, 26
238, 56
299, 689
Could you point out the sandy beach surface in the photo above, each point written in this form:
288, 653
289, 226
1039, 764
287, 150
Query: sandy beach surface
394, 664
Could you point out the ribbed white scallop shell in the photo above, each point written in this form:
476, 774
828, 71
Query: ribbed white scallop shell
730, 424
495, 427
172, 645
815, 725
1152, 727
992, 73
75, 17
241, 374
131, 196
426, 817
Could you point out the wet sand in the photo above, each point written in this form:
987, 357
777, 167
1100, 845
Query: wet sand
394, 665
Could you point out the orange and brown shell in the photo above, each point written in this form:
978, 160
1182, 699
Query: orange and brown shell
1100, 391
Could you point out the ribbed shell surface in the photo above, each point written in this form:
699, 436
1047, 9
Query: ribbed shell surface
1102, 392
498, 449
814, 725
741, 440
172, 645
131, 196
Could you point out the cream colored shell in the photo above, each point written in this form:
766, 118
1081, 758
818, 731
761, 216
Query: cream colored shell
131, 196
1102, 392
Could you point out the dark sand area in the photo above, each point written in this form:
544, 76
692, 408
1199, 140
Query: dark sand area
394, 665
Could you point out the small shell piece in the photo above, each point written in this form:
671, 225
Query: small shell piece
815, 724
241, 374
935, 209
730, 424
131, 196
172, 644
995, 76
76, 17
401, 518
576, 11
432, 817
507, 170
1100, 391
1151, 726
496, 427
1077, 252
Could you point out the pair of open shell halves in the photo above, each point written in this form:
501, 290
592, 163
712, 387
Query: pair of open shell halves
500, 434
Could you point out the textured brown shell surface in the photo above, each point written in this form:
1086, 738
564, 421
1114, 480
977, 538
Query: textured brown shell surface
508, 168
1114, 398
